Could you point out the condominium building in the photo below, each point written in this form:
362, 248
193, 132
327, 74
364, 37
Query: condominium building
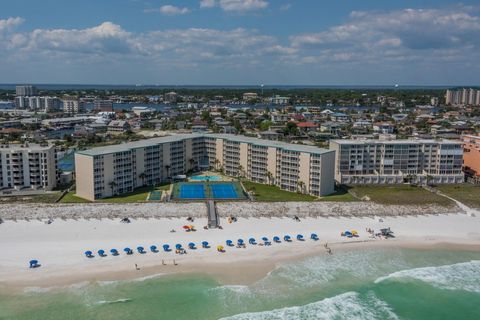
72, 105
471, 157
28, 166
463, 97
103, 106
397, 161
105, 171
25, 91
45, 104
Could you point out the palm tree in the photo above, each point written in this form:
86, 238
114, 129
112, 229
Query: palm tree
112, 185
142, 176
301, 186
191, 161
216, 163
429, 180
167, 167
269, 177
240, 172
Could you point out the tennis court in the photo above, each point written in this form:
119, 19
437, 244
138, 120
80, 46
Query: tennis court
192, 191
155, 195
223, 191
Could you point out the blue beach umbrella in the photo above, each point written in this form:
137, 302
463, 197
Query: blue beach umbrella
240, 242
252, 241
166, 247
33, 263
300, 237
229, 243
205, 244
191, 245
264, 239
178, 246
89, 253
276, 239
153, 248
141, 249
101, 253
314, 236
128, 250
287, 238
114, 252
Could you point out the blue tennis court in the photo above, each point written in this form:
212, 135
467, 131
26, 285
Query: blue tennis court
192, 191
223, 191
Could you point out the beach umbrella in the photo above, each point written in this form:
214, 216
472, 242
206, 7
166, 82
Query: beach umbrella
128, 250
276, 239
166, 247
153, 248
314, 236
240, 242
191, 245
88, 253
300, 237
101, 253
140, 249
187, 228
229, 243
264, 239
33, 263
205, 244
220, 248
114, 252
178, 246
252, 241
287, 238
191, 227
348, 234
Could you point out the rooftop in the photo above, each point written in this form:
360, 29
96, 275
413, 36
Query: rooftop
402, 141
230, 137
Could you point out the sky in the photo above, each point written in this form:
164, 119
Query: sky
240, 42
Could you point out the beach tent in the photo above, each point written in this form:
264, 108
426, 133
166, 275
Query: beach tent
287, 238
314, 236
220, 249
89, 254
191, 245
101, 253
114, 252
128, 250
240, 242
205, 244
229, 243
276, 239
178, 246
166, 247
34, 264
141, 249
252, 241
153, 248
300, 237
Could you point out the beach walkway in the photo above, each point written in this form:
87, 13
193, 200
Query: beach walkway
212, 214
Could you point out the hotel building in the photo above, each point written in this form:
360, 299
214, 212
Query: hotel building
28, 166
106, 171
471, 157
397, 161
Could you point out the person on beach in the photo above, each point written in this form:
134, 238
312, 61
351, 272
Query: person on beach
136, 267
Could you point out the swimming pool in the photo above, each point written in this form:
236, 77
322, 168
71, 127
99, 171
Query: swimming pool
206, 178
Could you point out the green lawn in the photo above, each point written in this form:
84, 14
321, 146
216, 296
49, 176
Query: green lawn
70, 197
138, 195
264, 192
468, 194
341, 195
41, 198
399, 195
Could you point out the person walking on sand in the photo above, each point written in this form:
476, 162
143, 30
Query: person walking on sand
136, 267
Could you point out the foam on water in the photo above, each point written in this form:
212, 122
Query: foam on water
346, 305
459, 276
101, 302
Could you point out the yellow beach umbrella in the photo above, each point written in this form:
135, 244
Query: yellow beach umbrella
220, 248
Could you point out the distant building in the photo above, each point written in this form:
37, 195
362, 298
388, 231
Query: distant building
118, 127
25, 91
279, 100
463, 97
28, 166
142, 111
394, 162
44, 104
72, 106
103, 106
171, 97
248, 96
471, 157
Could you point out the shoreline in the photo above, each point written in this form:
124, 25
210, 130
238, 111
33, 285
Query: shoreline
59, 247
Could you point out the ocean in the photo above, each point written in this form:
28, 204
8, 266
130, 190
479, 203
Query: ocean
389, 283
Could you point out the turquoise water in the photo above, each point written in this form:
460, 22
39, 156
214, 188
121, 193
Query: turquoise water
205, 178
361, 284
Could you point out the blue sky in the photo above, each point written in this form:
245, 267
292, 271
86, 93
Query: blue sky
344, 42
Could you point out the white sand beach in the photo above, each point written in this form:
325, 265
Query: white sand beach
60, 246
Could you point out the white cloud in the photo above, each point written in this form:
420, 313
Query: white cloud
10, 23
169, 10
239, 6
285, 7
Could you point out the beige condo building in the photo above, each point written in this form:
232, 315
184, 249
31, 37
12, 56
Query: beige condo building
106, 171
28, 167
397, 161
